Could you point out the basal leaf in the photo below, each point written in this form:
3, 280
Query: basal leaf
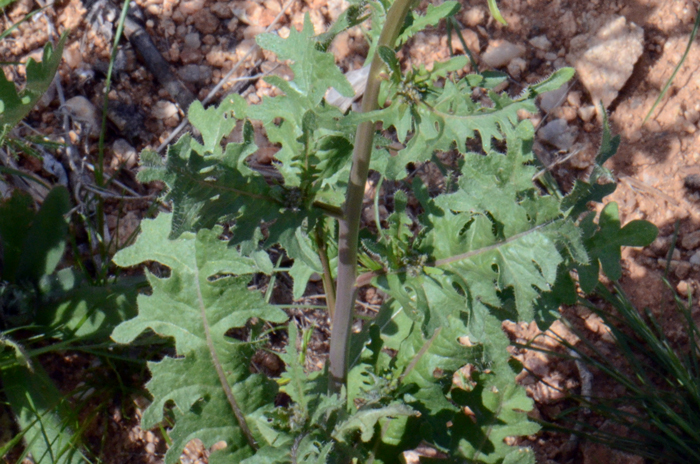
197, 305
202, 273
201, 408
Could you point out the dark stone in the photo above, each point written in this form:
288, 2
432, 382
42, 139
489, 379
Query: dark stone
692, 182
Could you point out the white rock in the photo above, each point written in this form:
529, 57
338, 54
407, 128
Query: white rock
164, 109
541, 42
586, 113
124, 154
605, 61
558, 133
500, 53
474, 16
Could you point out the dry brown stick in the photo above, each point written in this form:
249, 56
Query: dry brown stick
153, 60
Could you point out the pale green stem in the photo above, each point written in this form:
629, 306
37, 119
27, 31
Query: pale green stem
349, 227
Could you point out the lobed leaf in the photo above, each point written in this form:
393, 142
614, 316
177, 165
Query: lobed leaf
197, 305
314, 71
15, 106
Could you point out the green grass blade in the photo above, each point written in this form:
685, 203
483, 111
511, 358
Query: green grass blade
41, 414
496, 13
675, 71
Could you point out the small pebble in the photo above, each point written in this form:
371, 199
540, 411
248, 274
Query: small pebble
691, 240
692, 116
190, 7
552, 99
124, 154
695, 259
635, 136
566, 113
195, 73
516, 67
164, 109
541, 42
683, 288
500, 53
205, 22
83, 111
474, 16
586, 113
574, 98
682, 269
558, 133
192, 40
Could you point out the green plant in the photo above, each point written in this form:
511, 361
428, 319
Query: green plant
38, 304
489, 247
14, 106
43, 309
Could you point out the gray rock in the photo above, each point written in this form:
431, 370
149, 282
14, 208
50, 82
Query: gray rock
695, 259
192, 40
554, 98
195, 73
558, 134
605, 60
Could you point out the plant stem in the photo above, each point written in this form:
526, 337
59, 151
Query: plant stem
328, 284
349, 227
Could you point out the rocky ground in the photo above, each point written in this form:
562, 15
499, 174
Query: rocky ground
624, 51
